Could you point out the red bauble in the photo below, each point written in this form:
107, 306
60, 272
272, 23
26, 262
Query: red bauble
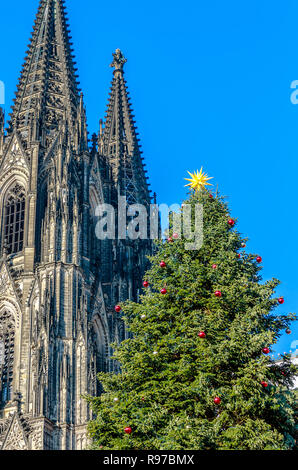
288, 332
231, 222
145, 284
217, 293
266, 350
214, 266
128, 430
259, 259
118, 308
281, 300
143, 398
162, 264
264, 384
243, 245
163, 291
211, 196
202, 334
175, 235
217, 400
239, 255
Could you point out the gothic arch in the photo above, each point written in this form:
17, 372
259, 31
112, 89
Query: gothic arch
12, 204
15, 176
9, 351
100, 343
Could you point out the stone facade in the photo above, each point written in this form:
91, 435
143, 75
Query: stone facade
59, 283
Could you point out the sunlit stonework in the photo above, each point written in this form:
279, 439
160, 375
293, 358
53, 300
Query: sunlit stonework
58, 283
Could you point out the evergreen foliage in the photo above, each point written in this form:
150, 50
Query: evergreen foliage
170, 375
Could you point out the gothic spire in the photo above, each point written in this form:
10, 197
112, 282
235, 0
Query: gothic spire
119, 141
47, 92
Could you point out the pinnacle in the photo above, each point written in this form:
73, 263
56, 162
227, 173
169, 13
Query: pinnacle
48, 85
120, 141
119, 61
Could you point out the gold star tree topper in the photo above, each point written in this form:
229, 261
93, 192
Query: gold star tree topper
198, 180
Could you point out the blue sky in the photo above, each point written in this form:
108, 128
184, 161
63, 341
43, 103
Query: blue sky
210, 86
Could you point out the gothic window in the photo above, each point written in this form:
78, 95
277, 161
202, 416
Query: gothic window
14, 215
7, 338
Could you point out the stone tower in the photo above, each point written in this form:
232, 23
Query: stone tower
59, 283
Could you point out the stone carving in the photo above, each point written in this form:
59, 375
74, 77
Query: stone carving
14, 157
16, 438
60, 286
3, 281
119, 60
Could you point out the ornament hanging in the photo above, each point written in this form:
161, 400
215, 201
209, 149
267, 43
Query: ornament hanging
117, 308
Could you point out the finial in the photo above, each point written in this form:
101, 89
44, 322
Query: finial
100, 127
119, 61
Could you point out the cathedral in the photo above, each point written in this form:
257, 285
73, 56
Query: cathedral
60, 283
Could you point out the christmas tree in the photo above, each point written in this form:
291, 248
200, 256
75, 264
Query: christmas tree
196, 372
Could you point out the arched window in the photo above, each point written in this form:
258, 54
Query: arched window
14, 216
7, 338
